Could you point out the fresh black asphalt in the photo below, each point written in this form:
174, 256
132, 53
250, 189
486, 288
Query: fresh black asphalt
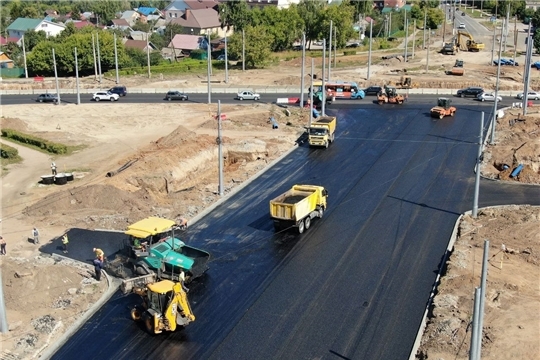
356, 284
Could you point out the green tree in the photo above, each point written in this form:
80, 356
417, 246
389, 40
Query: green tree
310, 12
32, 38
170, 31
362, 7
67, 32
516, 7
536, 41
140, 26
342, 16
283, 25
30, 12
435, 17
234, 13
258, 46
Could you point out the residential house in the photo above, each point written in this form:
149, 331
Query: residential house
21, 25
185, 44
138, 35
5, 61
390, 4
121, 24
132, 17
81, 24
177, 8
147, 11
5, 41
139, 44
87, 15
202, 21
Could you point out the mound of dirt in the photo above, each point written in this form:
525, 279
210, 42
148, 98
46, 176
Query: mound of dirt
511, 310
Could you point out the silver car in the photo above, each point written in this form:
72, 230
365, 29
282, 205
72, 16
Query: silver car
531, 95
247, 95
488, 96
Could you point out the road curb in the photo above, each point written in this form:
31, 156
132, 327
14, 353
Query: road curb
112, 285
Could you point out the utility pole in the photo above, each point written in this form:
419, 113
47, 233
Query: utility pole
311, 94
77, 77
24, 58
95, 62
427, 52
330, 53
482, 298
243, 50
99, 58
220, 149
493, 46
323, 82
390, 25
208, 72
478, 162
303, 73
209, 54
147, 55
226, 62
515, 38
4, 328
369, 53
506, 23
413, 37
444, 30
116, 60
335, 45
406, 22
425, 21
56, 79
526, 76
494, 121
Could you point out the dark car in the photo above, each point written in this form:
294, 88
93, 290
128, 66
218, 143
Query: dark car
470, 92
372, 90
120, 90
176, 95
47, 98
353, 45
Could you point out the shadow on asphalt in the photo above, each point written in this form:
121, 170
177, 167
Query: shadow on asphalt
82, 241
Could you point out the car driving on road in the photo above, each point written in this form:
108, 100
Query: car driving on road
531, 95
105, 96
176, 95
488, 96
372, 90
47, 98
470, 92
247, 95
120, 90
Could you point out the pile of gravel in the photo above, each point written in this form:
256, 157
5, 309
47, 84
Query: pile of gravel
27, 341
44, 324
61, 303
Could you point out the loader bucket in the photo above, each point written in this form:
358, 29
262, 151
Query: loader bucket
127, 285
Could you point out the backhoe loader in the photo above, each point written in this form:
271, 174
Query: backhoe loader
165, 306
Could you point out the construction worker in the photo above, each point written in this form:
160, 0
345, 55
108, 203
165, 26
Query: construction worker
53, 168
98, 265
2, 246
35, 236
100, 255
183, 224
182, 278
65, 242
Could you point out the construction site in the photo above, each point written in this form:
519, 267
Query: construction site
163, 162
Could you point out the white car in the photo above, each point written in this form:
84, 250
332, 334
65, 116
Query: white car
461, 26
248, 95
488, 97
532, 95
105, 95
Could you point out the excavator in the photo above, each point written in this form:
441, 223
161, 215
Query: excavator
165, 306
469, 44
389, 96
457, 70
443, 108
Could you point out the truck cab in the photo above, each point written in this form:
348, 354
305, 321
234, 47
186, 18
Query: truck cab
322, 131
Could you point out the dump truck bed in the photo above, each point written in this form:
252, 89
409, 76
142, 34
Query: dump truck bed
294, 204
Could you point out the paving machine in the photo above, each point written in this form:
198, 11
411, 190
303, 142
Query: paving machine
389, 96
443, 108
165, 306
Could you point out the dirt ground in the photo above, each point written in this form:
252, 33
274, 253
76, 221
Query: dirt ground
174, 173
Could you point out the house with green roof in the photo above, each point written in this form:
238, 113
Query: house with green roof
21, 25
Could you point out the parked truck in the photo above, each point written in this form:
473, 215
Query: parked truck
322, 131
156, 253
298, 206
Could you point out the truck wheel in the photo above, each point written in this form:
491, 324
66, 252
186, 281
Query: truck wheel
380, 102
321, 212
148, 323
452, 113
135, 314
326, 145
307, 222
441, 116
301, 227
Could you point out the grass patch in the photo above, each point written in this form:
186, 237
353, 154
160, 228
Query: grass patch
476, 13
41, 145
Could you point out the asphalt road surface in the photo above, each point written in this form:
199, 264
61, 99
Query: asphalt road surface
356, 284
225, 99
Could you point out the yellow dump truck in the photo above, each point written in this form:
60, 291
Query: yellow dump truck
322, 131
298, 206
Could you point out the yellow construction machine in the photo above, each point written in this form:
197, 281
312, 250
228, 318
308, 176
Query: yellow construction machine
165, 306
469, 44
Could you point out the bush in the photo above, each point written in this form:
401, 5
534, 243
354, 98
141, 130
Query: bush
8, 152
46, 145
349, 52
